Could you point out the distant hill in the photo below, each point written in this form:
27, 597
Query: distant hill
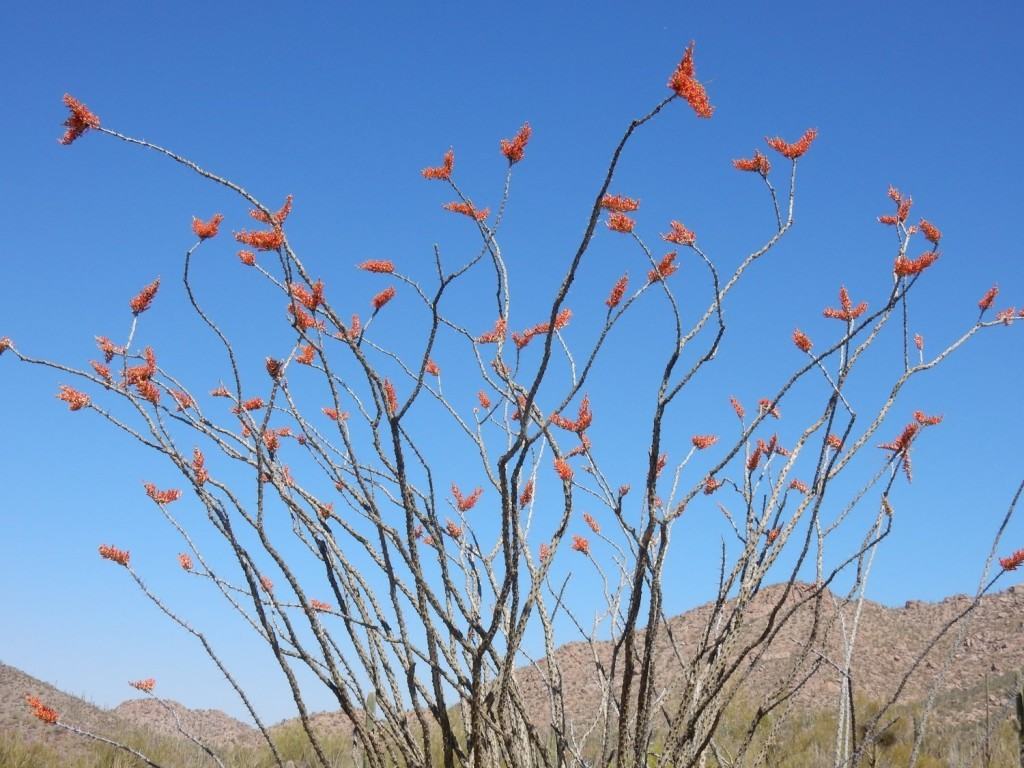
888, 639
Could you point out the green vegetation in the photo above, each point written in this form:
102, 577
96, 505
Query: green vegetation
804, 740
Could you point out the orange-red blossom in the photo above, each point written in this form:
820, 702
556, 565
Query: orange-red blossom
513, 148
795, 149
162, 497
619, 203
700, 442
620, 222
467, 209
684, 82
76, 400
443, 171
40, 710
465, 503
79, 121
988, 298
146, 686
119, 556
142, 301
275, 219
759, 163
207, 229
1013, 561
848, 312
617, 292
679, 235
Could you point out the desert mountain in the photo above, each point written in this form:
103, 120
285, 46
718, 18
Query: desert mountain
991, 653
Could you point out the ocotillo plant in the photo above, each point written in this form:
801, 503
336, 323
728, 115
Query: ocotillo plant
407, 585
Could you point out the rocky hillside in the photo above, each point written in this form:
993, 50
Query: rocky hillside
888, 639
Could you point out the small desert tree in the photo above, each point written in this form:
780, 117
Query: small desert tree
426, 584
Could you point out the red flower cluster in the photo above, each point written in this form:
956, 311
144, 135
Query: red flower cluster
466, 503
931, 233
320, 605
795, 149
248, 258
76, 400
904, 267
513, 148
620, 222
659, 467
185, 561
199, 467
207, 229
561, 320
901, 445
305, 357
700, 442
275, 219
903, 204
618, 290
334, 414
136, 374
467, 209
183, 399
1013, 561
311, 297
261, 240
454, 530
162, 497
494, 336
443, 171
679, 235
619, 203
5, 344
834, 441
481, 396
737, 406
758, 163
79, 121
584, 418
563, 470
40, 710
802, 341
140, 303
102, 370
146, 686
252, 404
107, 347
801, 486
765, 406
711, 485
381, 266
848, 311
684, 82
988, 298
119, 556
302, 319
580, 544
589, 520
391, 397
527, 495
664, 268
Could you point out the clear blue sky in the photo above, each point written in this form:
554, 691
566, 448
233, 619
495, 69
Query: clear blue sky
342, 104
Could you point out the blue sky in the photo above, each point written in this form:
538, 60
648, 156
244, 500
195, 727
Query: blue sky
342, 104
